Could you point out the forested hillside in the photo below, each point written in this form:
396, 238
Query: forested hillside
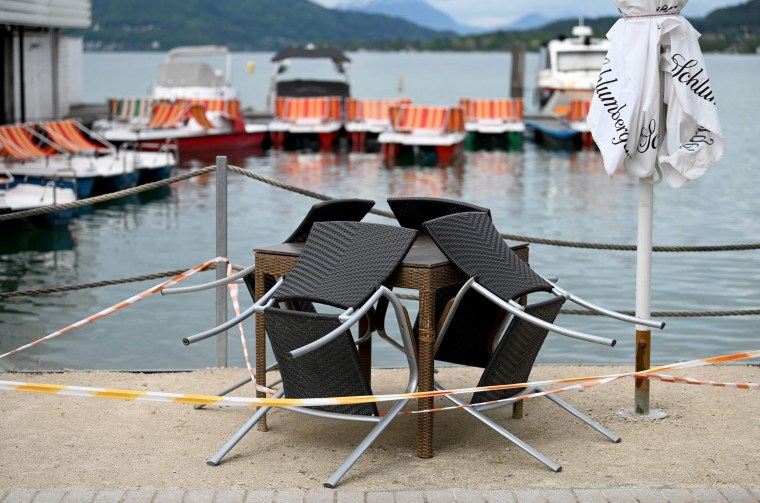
274, 24
239, 24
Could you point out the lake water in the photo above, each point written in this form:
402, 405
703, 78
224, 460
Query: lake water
534, 192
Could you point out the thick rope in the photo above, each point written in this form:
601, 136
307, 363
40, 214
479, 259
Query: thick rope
374, 211
106, 197
616, 247
97, 284
388, 214
158, 275
514, 237
298, 190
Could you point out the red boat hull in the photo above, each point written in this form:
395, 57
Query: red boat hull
241, 140
199, 144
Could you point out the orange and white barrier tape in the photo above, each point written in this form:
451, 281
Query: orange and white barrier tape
581, 383
232, 287
121, 305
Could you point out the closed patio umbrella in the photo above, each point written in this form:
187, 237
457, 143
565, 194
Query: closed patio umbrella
654, 114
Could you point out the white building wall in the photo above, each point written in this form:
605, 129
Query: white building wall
73, 66
38, 78
46, 13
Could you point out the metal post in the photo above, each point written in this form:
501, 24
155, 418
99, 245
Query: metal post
518, 71
55, 48
221, 251
644, 290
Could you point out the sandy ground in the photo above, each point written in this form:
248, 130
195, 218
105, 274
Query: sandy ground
711, 438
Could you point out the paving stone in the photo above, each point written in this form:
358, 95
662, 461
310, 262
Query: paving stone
78, 497
349, 496
19, 496
678, 495
260, 497
193, 496
648, 495
708, 495
320, 496
439, 496
380, 497
469, 496
108, 497
529, 496
410, 497
289, 497
139, 496
619, 495
590, 496
559, 496
738, 495
499, 496
48, 496
756, 492
229, 496
169, 496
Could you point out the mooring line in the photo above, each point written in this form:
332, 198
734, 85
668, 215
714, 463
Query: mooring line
105, 197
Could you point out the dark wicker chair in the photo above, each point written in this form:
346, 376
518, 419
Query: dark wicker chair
351, 210
506, 352
343, 265
345, 210
412, 212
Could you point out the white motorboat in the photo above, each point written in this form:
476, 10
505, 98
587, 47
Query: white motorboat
569, 70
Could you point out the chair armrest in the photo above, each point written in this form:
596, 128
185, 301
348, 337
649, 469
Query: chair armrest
205, 286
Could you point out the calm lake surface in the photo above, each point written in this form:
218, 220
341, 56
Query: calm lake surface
534, 192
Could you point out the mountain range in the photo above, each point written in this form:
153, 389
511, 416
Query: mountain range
423, 14
269, 25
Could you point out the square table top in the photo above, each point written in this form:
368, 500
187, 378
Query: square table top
424, 252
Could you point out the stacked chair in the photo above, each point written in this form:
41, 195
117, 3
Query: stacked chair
351, 210
507, 349
344, 266
481, 324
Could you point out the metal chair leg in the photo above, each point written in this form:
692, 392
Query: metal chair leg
583, 417
228, 389
241, 383
506, 434
364, 444
227, 447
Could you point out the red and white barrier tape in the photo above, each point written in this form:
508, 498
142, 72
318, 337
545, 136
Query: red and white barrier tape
232, 287
580, 383
121, 305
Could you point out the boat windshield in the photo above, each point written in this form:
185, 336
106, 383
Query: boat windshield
580, 61
189, 74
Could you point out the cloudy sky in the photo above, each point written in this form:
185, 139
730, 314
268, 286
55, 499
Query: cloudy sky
488, 13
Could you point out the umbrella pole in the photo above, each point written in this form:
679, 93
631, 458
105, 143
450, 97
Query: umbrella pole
644, 290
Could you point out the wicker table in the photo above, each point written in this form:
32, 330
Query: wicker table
424, 269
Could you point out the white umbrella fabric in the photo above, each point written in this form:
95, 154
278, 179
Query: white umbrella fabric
654, 112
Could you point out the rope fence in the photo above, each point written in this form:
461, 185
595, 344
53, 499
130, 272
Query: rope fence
384, 213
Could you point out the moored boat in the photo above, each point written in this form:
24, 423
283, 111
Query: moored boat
193, 106
493, 123
299, 120
58, 152
566, 82
423, 135
308, 112
17, 195
366, 119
